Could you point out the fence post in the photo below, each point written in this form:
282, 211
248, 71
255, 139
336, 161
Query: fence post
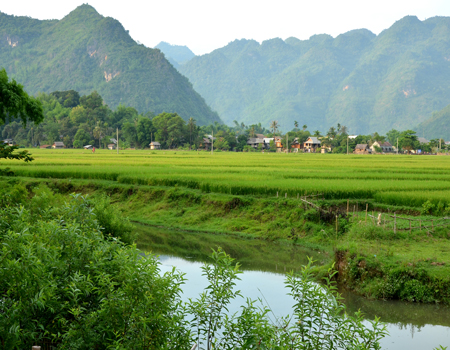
285, 195
395, 223
367, 206
336, 226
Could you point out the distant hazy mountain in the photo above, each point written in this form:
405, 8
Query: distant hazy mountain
438, 126
366, 82
175, 54
86, 51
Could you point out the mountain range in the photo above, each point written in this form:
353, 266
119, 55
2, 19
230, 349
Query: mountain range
175, 54
364, 81
85, 51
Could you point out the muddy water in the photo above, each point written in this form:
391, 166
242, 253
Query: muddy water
411, 326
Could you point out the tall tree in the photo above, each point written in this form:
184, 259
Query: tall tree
408, 140
193, 128
15, 102
274, 126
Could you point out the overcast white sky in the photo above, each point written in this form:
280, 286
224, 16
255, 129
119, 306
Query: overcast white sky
205, 25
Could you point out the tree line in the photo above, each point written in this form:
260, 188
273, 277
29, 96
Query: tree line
78, 121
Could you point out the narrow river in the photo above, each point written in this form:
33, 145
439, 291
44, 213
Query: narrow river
411, 326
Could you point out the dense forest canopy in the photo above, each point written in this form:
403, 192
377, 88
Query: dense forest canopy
85, 51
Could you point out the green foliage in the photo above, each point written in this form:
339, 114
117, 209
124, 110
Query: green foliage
318, 321
7, 152
111, 221
427, 207
63, 282
408, 140
68, 99
15, 102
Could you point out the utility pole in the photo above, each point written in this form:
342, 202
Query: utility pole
287, 143
397, 145
117, 140
212, 143
440, 144
347, 144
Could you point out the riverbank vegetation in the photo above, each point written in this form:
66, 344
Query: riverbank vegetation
68, 281
236, 194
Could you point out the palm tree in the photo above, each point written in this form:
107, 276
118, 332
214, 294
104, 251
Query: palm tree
296, 124
191, 125
317, 133
305, 127
274, 126
252, 132
344, 129
332, 132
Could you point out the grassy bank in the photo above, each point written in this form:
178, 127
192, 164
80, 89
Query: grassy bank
372, 261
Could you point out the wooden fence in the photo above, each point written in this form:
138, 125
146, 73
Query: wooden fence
384, 220
398, 223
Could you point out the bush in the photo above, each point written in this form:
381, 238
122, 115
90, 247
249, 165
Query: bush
111, 221
62, 282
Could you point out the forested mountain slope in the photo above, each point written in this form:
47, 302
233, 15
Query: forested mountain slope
437, 126
86, 51
366, 82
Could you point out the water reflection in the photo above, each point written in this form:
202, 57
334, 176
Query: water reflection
411, 326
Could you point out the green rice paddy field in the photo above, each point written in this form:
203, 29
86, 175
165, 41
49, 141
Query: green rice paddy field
235, 193
391, 180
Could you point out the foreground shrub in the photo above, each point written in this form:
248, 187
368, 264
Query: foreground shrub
65, 283
319, 320
62, 282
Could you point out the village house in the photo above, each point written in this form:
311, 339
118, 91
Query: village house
255, 142
386, 147
206, 143
266, 141
155, 145
362, 149
45, 146
88, 147
111, 146
296, 145
9, 142
58, 145
278, 144
311, 144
